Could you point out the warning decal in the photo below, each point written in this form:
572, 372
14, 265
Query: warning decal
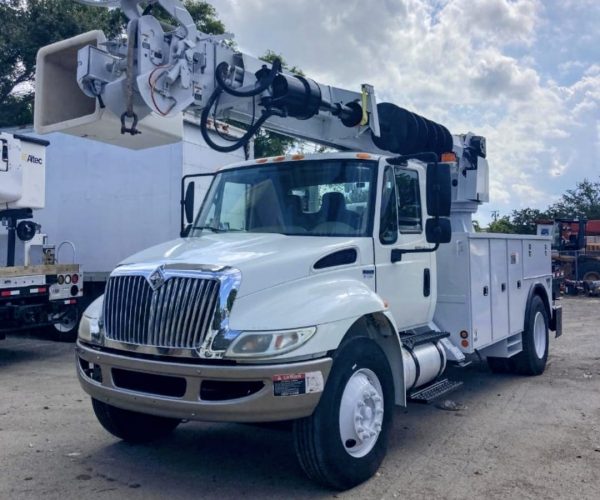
294, 384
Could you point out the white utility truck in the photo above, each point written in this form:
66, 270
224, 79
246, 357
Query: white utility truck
320, 289
34, 289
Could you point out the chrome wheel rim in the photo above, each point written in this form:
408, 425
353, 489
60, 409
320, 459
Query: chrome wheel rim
361, 413
539, 335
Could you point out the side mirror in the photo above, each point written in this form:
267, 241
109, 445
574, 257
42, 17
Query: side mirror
188, 202
439, 191
187, 209
4, 168
438, 231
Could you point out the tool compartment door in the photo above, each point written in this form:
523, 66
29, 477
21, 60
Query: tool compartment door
480, 291
499, 288
516, 286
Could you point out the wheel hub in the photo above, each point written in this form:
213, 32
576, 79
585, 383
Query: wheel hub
361, 413
539, 335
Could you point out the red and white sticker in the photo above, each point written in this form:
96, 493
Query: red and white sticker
295, 384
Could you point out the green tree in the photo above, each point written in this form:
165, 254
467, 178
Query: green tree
501, 225
583, 201
524, 221
204, 15
27, 25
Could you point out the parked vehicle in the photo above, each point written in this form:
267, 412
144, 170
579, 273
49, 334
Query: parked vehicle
35, 290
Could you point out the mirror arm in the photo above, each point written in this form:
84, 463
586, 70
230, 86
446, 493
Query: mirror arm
398, 252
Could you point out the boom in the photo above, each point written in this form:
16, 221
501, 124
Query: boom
160, 71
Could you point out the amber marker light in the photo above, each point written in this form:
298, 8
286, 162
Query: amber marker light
262, 160
448, 157
464, 343
363, 156
279, 158
298, 157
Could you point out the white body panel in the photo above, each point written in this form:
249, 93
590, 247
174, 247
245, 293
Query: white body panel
483, 284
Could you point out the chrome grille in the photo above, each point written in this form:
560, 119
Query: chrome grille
176, 315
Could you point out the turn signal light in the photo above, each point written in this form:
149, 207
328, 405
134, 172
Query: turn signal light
75, 279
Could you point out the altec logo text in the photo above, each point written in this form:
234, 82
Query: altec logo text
31, 159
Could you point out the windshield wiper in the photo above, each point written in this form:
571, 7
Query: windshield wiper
211, 228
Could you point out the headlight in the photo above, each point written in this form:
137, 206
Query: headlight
90, 326
89, 329
265, 344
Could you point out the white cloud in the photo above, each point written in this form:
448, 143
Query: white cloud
488, 66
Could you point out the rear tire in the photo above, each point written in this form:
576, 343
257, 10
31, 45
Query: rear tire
66, 329
132, 426
590, 271
345, 440
532, 359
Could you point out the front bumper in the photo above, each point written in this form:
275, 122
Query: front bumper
236, 393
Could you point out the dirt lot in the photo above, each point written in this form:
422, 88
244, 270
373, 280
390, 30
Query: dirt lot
516, 437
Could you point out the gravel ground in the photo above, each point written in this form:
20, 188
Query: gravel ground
515, 437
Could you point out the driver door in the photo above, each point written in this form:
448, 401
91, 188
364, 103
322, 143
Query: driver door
406, 284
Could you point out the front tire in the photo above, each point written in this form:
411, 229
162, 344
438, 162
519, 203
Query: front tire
132, 426
532, 359
345, 440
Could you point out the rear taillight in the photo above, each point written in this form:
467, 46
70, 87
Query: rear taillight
75, 279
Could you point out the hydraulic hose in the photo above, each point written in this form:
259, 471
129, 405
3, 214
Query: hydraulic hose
263, 85
236, 145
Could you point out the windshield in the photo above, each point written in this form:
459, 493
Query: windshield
310, 198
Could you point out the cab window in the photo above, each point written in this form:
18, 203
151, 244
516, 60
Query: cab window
409, 201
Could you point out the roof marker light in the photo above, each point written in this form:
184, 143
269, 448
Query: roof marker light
448, 157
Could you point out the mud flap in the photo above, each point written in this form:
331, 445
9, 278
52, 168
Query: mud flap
556, 320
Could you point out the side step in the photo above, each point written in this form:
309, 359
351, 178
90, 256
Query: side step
410, 341
433, 391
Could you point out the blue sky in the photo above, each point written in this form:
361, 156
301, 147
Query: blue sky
524, 73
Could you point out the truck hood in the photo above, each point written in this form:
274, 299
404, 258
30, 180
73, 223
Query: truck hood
264, 259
